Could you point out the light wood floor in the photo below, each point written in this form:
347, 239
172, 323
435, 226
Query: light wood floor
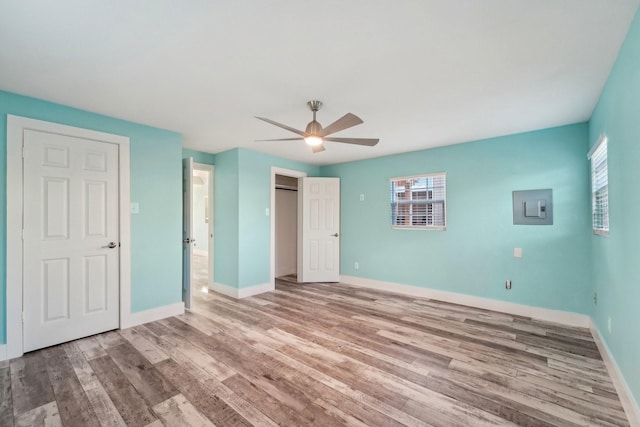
323, 354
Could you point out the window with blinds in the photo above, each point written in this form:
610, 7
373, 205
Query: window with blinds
419, 201
600, 187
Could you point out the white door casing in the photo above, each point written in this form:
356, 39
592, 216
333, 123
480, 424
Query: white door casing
319, 230
16, 129
71, 238
187, 229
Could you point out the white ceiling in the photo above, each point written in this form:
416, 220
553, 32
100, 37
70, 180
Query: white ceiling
420, 73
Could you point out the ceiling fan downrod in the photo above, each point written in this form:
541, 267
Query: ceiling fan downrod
313, 132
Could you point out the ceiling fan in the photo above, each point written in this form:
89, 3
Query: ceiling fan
315, 135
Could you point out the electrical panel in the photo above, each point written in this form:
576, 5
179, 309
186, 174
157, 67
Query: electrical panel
533, 207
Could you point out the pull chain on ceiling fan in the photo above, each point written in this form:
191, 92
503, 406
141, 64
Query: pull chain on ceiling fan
315, 135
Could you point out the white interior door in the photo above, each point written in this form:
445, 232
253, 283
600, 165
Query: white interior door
71, 238
319, 230
187, 229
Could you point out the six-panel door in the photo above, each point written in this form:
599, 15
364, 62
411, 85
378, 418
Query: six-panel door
71, 238
319, 230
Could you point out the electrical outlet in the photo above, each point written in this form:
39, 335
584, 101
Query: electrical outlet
356, 265
362, 197
507, 284
595, 298
609, 323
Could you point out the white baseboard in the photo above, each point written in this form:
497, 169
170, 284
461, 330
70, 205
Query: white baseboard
557, 316
152, 315
242, 292
255, 290
224, 289
3, 352
631, 407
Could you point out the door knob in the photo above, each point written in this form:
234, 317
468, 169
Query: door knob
188, 240
111, 245
335, 235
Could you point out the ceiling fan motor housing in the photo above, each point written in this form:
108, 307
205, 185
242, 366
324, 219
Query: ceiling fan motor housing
313, 128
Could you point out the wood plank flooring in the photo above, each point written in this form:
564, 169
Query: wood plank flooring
317, 354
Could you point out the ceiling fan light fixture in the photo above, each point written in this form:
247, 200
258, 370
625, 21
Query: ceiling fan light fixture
315, 135
313, 140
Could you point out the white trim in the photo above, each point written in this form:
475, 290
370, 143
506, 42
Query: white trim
3, 352
15, 129
557, 316
419, 175
229, 291
255, 290
125, 232
153, 314
242, 292
631, 407
272, 210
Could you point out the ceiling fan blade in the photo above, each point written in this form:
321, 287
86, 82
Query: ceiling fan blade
317, 148
280, 139
344, 122
358, 141
280, 125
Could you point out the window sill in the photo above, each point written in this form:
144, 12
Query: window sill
417, 227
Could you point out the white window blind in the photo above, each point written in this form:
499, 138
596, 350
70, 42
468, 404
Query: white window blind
600, 187
419, 201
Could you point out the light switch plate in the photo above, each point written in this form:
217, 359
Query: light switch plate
135, 208
517, 252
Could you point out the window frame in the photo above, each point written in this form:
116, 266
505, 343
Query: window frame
594, 154
427, 191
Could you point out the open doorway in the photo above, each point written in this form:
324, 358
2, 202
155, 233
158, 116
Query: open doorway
284, 218
202, 226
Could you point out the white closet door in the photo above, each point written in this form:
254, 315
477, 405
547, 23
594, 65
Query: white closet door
319, 228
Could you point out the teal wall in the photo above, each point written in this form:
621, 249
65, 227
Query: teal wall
616, 269
254, 225
155, 185
242, 228
225, 225
199, 156
474, 256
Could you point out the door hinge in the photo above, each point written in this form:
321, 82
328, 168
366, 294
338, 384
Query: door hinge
23, 317
22, 234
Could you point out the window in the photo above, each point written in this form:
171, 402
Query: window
600, 187
418, 201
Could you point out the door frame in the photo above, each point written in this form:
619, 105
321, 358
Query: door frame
210, 169
272, 251
15, 188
